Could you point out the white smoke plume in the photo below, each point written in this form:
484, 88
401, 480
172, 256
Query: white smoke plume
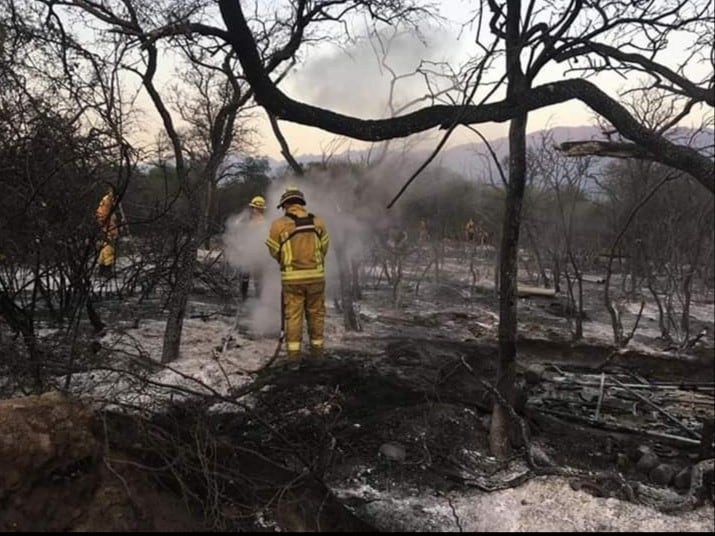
245, 250
358, 65
352, 202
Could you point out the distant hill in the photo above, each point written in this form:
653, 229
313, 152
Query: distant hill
473, 160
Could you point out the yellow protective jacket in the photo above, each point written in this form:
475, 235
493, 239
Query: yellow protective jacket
105, 217
299, 242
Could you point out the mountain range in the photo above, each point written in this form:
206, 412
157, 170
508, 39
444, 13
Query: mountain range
473, 160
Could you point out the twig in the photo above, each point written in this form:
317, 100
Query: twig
220, 366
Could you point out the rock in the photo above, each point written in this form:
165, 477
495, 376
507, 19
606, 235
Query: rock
540, 457
682, 479
520, 397
534, 374
622, 461
610, 443
642, 449
662, 474
393, 451
648, 461
705, 488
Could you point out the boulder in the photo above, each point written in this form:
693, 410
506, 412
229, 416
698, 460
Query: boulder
662, 474
647, 462
682, 479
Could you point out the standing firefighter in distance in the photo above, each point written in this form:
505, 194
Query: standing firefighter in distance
107, 221
470, 231
299, 242
257, 206
424, 233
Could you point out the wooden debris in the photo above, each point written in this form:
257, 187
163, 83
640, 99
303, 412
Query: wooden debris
657, 408
624, 402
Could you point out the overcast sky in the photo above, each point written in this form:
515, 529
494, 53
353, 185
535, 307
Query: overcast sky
350, 80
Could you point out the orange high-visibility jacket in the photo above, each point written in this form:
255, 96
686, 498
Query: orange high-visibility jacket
299, 246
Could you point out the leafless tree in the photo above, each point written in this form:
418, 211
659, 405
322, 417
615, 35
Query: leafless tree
64, 115
534, 35
210, 99
564, 187
154, 31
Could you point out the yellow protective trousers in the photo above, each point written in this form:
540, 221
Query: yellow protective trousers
297, 299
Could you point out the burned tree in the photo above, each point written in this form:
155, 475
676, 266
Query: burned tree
576, 31
566, 220
150, 34
55, 169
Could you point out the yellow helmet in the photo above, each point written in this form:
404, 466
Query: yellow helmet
292, 195
258, 202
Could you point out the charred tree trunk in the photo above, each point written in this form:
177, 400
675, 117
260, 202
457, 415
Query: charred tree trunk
93, 316
20, 322
556, 275
506, 371
537, 255
346, 289
205, 227
179, 297
508, 254
687, 297
355, 275
578, 304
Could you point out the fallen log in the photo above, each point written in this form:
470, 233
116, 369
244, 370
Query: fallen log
524, 291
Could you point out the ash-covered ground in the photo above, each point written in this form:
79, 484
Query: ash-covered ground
395, 420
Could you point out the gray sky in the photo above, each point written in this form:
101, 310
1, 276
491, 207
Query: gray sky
350, 80
352, 83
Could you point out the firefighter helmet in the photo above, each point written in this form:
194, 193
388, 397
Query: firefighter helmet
258, 202
292, 196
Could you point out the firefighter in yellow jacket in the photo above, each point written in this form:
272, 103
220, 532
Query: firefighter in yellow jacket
255, 220
470, 230
299, 242
107, 221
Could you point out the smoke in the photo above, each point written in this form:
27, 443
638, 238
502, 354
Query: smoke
245, 250
350, 199
357, 66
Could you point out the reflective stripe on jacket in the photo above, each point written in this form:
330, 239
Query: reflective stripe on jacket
300, 247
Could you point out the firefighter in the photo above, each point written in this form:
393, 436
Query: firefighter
107, 221
256, 217
470, 230
299, 242
424, 233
